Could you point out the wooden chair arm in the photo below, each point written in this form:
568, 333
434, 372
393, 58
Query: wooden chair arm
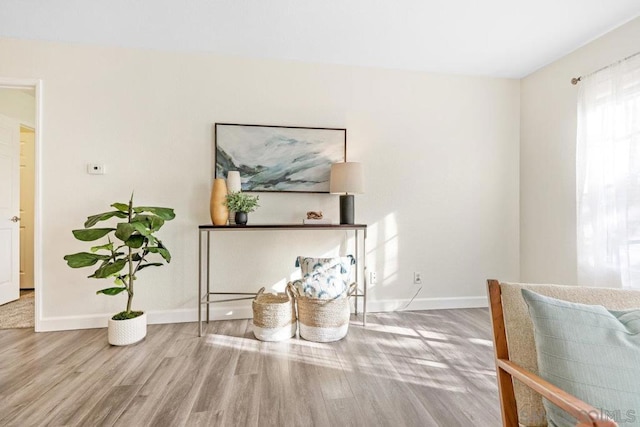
587, 415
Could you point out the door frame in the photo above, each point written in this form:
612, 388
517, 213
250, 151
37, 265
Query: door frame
36, 84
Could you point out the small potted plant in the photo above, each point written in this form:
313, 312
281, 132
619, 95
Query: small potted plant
121, 258
241, 204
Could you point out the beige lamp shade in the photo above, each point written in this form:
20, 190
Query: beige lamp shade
347, 178
233, 182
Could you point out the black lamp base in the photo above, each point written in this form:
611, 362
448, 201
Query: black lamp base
347, 209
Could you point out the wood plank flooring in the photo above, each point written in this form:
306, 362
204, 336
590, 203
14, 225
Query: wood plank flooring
422, 368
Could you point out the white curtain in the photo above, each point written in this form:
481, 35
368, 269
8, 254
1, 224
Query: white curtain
608, 176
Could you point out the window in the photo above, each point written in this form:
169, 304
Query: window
608, 176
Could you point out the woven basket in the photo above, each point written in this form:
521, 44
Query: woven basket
323, 320
274, 316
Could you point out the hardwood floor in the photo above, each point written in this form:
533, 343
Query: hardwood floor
423, 368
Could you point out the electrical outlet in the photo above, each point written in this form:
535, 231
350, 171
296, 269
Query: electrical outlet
417, 278
373, 278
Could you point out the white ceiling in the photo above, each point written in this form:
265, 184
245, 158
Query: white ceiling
502, 38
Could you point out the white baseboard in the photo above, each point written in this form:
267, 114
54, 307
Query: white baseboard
425, 304
64, 323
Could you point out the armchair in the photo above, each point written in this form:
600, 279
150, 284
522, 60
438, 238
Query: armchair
521, 389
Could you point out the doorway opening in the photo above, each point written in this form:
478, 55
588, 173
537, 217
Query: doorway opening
19, 246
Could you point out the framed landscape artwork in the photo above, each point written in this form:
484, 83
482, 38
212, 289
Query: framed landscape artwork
279, 158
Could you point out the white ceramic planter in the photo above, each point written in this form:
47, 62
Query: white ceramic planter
130, 331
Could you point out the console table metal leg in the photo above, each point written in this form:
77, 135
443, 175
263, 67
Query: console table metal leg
358, 264
208, 272
364, 303
199, 283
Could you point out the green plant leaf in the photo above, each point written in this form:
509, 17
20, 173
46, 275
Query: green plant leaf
160, 250
124, 231
151, 264
122, 207
126, 315
111, 291
166, 214
152, 222
241, 202
94, 219
89, 235
141, 228
137, 257
108, 247
109, 269
156, 223
135, 241
83, 259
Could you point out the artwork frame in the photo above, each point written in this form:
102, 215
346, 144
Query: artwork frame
280, 159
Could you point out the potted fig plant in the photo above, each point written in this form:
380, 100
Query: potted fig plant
131, 246
241, 204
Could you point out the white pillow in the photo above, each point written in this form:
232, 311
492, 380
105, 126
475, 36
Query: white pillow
324, 278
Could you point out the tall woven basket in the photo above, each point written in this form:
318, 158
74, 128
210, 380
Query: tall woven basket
323, 320
274, 316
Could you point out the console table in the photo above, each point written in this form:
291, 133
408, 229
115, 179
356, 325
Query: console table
204, 259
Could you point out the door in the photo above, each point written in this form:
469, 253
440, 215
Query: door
9, 210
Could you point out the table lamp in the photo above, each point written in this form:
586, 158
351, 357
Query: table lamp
346, 180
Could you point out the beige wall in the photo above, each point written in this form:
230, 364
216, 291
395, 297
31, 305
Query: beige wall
18, 105
440, 152
547, 156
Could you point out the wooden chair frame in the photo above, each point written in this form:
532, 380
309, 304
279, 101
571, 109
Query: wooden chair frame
585, 414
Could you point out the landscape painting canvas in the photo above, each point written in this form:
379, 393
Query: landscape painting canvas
279, 158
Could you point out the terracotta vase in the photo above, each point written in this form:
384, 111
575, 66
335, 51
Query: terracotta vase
219, 212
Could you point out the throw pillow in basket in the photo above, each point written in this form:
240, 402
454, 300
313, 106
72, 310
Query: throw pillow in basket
324, 278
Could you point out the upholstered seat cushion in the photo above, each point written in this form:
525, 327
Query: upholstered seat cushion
520, 339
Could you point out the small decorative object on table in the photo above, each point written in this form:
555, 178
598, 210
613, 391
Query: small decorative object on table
234, 185
218, 209
241, 204
274, 316
314, 215
234, 182
122, 258
315, 218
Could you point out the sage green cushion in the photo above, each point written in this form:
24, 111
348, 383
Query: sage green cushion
590, 352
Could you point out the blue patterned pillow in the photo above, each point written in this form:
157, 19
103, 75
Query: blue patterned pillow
324, 278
